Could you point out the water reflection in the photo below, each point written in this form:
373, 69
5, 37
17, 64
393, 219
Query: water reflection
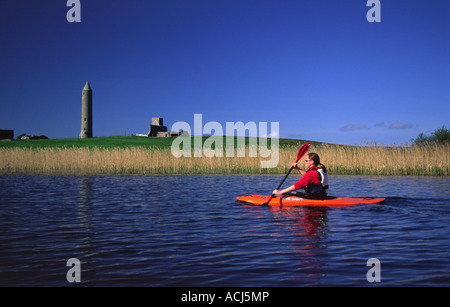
308, 227
86, 249
308, 223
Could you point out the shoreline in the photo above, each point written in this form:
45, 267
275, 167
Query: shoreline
205, 175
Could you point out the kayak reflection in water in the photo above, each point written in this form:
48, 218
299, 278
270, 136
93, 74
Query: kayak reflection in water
314, 180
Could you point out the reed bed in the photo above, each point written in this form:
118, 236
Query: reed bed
432, 160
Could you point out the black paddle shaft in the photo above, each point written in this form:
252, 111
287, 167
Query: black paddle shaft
287, 175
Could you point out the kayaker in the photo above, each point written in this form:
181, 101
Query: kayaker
314, 180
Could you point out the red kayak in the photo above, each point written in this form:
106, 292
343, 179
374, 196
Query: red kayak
293, 200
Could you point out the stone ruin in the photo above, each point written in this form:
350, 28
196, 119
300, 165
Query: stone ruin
25, 137
157, 129
6, 134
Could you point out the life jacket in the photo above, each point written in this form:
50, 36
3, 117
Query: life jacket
324, 179
321, 189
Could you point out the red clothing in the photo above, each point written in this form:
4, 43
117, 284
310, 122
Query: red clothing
310, 178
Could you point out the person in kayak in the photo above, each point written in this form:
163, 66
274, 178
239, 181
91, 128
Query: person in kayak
314, 180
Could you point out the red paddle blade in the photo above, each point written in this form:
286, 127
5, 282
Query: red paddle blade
302, 151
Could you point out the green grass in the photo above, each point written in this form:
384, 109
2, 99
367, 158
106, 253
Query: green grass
98, 142
125, 142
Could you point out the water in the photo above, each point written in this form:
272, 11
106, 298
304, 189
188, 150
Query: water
190, 231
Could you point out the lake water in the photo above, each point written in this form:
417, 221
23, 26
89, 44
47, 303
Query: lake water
190, 231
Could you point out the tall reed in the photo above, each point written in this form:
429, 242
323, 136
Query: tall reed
433, 160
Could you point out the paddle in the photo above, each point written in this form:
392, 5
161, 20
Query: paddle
301, 152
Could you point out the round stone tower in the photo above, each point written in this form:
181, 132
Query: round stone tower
86, 112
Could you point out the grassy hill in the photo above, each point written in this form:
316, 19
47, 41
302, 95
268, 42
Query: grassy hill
124, 142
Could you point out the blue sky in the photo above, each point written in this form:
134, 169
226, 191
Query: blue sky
319, 68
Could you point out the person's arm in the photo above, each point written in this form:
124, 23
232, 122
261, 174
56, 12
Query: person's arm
301, 184
287, 190
294, 165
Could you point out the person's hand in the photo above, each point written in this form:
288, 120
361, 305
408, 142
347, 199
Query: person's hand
294, 165
276, 192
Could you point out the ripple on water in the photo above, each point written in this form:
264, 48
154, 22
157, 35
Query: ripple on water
190, 231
